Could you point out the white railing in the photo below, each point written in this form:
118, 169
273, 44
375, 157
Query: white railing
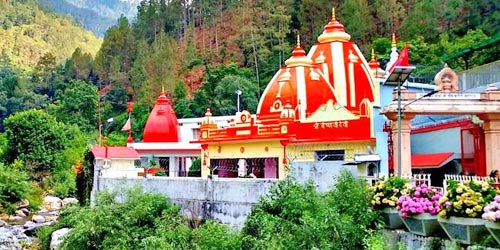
418, 179
413, 179
461, 178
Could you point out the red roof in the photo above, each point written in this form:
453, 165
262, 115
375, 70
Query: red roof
162, 124
434, 160
115, 153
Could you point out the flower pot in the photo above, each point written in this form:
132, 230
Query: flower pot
462, 229
422, 224
392, 219
494, 229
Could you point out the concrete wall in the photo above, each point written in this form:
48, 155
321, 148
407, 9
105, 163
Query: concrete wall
227, 200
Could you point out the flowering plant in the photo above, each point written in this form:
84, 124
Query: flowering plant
386, 192
420, 199
492, 210
466, 199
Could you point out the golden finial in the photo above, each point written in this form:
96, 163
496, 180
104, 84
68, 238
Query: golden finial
298, 40
373, 53
163, 89
333, 13
393, 40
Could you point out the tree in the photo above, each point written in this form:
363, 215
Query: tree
35, 138
79, 100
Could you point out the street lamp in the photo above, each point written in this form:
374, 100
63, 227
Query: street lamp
238, 93
398, 76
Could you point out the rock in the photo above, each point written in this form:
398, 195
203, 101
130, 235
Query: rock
69, 200
52, 203
29, 224
14, 219
20, 213
2, 223
8, 241
25, 211
38, 219
23, 203
57, 237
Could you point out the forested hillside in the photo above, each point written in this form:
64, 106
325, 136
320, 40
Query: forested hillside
94, 15
27, 33
202, 51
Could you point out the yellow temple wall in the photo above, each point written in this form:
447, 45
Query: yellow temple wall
265, 149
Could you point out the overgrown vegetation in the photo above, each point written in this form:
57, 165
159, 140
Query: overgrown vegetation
292, 216
16, 186
296, 216
132, 220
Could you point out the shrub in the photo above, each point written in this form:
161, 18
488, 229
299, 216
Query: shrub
15, 186
492, 210
466, 199
297, 216
420, 199
131, 219
386, 192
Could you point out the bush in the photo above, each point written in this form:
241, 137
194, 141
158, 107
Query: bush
15, 186
296, 216
133, 220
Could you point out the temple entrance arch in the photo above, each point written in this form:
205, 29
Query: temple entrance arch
485, 105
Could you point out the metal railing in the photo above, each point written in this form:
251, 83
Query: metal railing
480, 76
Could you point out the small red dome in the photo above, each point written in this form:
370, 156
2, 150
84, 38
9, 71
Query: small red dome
298, 86
162, 125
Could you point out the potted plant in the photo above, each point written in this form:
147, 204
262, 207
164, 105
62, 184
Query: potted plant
492, 216
462, 207
419, 209
385, 194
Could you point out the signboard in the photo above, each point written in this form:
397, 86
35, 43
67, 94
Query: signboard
454, 96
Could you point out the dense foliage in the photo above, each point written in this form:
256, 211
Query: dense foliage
295, 216
133, 220
15, 186
29, 32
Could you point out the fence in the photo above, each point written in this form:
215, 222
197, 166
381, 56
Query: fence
461, 178
414, 179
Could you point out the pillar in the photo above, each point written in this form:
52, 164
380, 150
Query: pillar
172, 166
491, 128
405, 144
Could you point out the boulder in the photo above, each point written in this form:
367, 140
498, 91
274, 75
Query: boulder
38, 218
2, 223
29, 224
14, 219
69, 200
25, 211
52, 203
20, 213
57, 237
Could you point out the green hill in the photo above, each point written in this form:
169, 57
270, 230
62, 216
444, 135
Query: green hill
28, 32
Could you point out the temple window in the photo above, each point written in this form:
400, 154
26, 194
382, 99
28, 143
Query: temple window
330, 155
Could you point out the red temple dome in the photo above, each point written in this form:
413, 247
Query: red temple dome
162, 125
345, 68
299, 87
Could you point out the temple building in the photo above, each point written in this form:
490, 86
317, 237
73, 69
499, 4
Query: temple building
318, 107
